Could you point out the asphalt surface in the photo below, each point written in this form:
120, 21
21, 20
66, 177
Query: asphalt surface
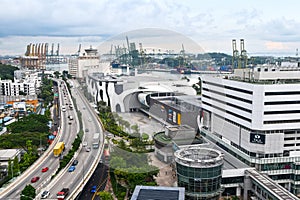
99, 179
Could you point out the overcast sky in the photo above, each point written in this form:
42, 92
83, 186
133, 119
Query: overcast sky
268, 27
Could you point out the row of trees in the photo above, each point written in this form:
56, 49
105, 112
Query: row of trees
129, 167
46, 91
114, 124
27, 134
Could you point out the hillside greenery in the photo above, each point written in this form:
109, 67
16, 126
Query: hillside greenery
7, 71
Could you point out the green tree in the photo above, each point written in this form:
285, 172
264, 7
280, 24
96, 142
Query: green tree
31, 123
10, 170
145, 136
7, 72
105, 196
16, 166
136, 130
57, 74
28, 193
122, 144
127, 125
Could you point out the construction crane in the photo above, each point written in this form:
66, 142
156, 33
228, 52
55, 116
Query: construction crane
243, 56
128, 56
111, 50
235, 55
183, 54
79, 49
57, 51
128, 45
142, 54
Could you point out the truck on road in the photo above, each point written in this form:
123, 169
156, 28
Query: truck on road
62, 194
96, 140
58, 149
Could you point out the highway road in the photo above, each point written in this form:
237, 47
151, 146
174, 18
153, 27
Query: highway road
67, 134
85, 159
98, 179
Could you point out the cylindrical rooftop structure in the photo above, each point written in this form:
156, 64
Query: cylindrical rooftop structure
199, 171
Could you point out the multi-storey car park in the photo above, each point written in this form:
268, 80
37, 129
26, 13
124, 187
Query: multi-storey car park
255, 115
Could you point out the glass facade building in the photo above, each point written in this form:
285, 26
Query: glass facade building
199, 171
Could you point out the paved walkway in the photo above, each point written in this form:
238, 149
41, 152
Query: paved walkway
146, 124
166, 176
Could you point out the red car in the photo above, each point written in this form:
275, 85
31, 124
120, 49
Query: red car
35, 179
45, 169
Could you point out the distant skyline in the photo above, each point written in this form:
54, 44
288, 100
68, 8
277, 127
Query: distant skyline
268, 27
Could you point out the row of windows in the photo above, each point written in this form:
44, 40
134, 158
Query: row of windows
229, 112
228, 95
200, 185
291, 138
291, 145
276, 166
282, 121
282, 93
281, 102
229, 87
281, 112
229, 104
199, 172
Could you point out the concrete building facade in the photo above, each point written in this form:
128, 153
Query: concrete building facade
255, 115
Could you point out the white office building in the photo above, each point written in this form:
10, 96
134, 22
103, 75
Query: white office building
5, 86
26, 86
255, 115
81, 65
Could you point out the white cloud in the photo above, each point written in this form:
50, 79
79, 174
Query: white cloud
211, 23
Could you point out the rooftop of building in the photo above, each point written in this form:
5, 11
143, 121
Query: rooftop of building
6, 154
181, 102
198, 156
157, 192
163, 139
267, 74
148, 82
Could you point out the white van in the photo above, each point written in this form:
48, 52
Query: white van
63, 108
84, 144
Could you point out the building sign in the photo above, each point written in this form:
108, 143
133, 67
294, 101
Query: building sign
179, 119
170, 115
174, 116
257, 138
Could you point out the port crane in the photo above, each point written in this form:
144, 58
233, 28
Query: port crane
239, 60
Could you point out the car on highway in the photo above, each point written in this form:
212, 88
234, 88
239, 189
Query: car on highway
45, 169
75, 162
88, 149
84, 144
45, 194
35, 179
94, 189
71, 168
86, 130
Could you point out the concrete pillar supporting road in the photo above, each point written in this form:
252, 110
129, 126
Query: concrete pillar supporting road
238, 191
